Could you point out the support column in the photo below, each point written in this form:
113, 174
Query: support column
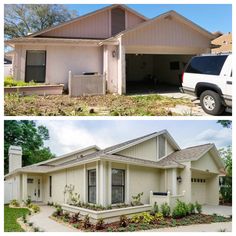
97, 182
102, 190
109, 184
127, 197
174, 181
85, 184
24, 187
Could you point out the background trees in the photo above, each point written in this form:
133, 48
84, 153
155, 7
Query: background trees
30, 137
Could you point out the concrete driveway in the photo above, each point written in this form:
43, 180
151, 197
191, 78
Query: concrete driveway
219, 210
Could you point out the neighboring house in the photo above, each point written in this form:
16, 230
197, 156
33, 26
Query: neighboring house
7, 66
113, 175
117, 42
222, 44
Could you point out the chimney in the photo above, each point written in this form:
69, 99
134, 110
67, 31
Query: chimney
15, 158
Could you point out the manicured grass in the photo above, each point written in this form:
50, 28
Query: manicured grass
107, 105
10, 217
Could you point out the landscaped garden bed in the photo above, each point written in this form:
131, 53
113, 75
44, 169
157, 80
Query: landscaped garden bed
158, 217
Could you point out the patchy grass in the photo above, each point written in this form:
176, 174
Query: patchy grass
107, 105
10, 217
10, 82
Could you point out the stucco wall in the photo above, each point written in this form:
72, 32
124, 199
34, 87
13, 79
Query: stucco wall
60, 60
144, 180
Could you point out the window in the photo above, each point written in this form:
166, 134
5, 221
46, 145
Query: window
210, 65
162, 146
50, 186
174, 65
118, 186
30, 181
92, 186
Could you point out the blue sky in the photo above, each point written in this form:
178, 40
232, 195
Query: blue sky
213, 17
69, 135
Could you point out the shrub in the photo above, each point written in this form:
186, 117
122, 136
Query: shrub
74, 218
36, 229
10, 82
191, 208
144, 217
165, 210
180, 210
198, 207
35, 208
58, 212
100, 224
154, 210
158, 216
31, 224
137, 199
123, 221
86, 222
109, 207
14, 203
28, 202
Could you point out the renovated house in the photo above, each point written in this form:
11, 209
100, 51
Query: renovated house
153, 164
127, 49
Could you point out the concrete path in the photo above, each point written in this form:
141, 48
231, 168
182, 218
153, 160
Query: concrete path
214, 227
46, 224
219, 210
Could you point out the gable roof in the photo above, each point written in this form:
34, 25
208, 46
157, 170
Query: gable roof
88, 15
166, 15
193, 154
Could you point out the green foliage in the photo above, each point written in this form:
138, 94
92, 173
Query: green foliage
225, 123
10, 82
100, 224
123, 221
137, 199
22, 19
14, 203
180, 210
73, 198
28, 202
191, 208
33, 207
144, 217
165, 209
30, 137
109, 207
155, 209
198, 207
86, 222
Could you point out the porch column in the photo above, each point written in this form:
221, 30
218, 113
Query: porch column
121, 69
24, 187
85, 183
174, 181
102, 184
109, 184
97, 182
127, 197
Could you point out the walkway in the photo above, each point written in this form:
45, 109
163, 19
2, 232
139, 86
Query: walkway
219, 210
46, 224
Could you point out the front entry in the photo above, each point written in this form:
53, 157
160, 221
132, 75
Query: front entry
35, 66
34, 186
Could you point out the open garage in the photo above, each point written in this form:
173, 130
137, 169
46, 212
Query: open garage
154, 73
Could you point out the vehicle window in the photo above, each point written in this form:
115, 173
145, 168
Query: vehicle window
210, 65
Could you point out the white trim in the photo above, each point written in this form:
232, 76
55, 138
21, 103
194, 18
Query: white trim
109, 182
127, 179
101, 183
97, 182
85, 184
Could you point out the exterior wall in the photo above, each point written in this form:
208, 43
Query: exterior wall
132, 20
206, 163
212, 186
14, 188
147, 150
95, 26
169, 32
143, 179
60, 60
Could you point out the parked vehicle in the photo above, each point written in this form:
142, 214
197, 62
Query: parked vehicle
209, 78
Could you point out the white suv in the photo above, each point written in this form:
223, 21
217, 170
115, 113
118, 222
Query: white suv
209, 77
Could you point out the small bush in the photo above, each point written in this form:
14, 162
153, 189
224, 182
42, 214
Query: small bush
74, 218
109, 207
31, 224
10, 82
137, 199
28, 202
154, 210
198, 207
35, 208
191, 208
86, 222
123, 221
165, 210
180, 210
100, 224
144, 217
36, 229
14, 203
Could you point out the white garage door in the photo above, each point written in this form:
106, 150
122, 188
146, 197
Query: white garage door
199, 190
8, 192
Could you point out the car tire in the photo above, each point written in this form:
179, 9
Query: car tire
211, 103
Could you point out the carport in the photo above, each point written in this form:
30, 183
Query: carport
154, 73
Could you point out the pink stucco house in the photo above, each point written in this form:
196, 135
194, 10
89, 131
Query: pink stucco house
117, 42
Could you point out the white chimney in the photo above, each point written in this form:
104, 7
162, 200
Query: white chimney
15, 158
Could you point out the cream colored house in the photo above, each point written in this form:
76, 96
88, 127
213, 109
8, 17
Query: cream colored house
126, 48
153, 164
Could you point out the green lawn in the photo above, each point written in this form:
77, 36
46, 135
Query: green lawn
10, 217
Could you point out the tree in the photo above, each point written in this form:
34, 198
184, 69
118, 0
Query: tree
23, 19
225, 123
30, 137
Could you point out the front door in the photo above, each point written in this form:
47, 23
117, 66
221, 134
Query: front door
35, 66
34, 188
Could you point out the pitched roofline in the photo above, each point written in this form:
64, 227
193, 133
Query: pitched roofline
146, 138
88, 15
164, 15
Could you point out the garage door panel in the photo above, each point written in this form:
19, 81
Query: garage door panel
199, 190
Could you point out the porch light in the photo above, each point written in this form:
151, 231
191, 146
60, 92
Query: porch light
179, 179
114, 53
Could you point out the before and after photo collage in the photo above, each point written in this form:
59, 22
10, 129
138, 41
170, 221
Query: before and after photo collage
117, 116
